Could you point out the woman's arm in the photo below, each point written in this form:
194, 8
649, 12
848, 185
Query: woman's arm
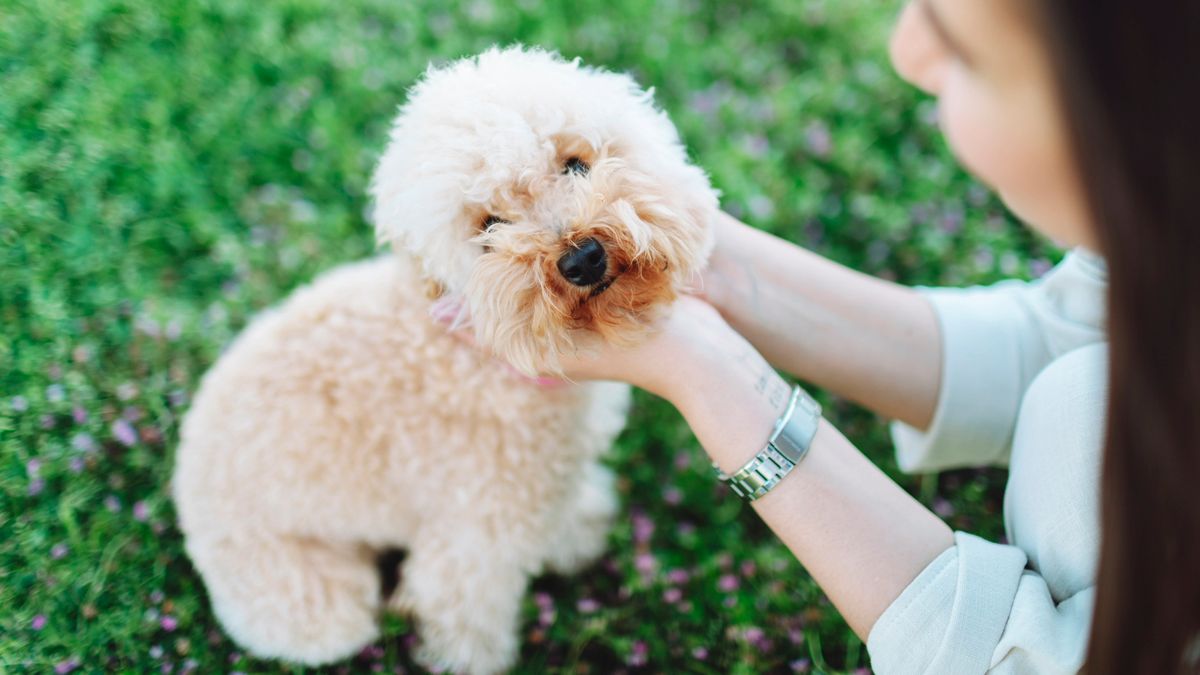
861, 536
870, 340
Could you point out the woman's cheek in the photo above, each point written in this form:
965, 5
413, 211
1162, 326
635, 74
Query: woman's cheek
976, 134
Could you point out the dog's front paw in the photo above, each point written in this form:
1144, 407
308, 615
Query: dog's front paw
472, 654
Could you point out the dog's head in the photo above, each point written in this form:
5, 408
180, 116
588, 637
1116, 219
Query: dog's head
553, 200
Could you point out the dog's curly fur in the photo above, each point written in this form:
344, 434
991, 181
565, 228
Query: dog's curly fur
347, 422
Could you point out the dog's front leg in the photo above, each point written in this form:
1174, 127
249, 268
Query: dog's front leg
464, 588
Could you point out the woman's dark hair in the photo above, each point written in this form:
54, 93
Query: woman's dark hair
1128, 74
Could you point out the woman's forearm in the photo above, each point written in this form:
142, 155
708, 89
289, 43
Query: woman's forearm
860, 536
869, 340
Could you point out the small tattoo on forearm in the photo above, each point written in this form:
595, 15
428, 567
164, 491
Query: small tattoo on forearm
780, 393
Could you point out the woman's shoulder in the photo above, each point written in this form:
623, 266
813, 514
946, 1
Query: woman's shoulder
1079, 373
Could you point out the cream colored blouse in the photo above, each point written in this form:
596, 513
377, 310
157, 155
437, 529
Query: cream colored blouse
1024, 381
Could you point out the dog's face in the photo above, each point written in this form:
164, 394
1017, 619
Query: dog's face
552, 200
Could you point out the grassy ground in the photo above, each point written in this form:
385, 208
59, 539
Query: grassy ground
167, 169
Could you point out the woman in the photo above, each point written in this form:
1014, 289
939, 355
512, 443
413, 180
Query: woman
1083, 116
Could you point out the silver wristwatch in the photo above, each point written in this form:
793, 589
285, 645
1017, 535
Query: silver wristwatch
789, 443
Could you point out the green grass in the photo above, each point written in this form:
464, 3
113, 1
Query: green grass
169, 169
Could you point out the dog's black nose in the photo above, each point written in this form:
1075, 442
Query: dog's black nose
585, 265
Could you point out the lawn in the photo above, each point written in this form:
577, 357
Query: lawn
168, 169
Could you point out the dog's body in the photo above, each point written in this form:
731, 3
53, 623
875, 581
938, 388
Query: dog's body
348, 422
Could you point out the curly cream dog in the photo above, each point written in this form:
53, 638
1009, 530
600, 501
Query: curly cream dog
549, 205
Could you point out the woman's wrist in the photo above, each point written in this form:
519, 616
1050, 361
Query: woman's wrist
731, 399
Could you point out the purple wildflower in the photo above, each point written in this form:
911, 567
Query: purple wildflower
83, 442
18, 404
643, 528
942, 507
757, 638
748, 568
683, 459
141, 512
728, 583
124, 432
372, 651
79, 414
761, 206
64, 667
39, 622
587, 605
699, 653
157, 596
755, 145
800, 665
112, 503
59, 551
36, 486
169, 623
672, 595
76, 464
818, 139
984, 259
32, 467
55, 393
678, 576
645, 563
637, 656
672, 495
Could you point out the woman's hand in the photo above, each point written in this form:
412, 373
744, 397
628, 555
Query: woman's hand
691, 336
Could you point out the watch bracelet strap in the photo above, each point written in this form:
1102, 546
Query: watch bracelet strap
788, 445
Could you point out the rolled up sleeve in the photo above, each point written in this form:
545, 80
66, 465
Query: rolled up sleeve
995, 340
977, 609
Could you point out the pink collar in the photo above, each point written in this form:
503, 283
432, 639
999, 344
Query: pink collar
449, 312
540, 381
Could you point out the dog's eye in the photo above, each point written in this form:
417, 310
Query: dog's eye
490, 221
576, 166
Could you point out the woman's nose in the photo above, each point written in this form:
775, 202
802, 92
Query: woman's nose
916, 54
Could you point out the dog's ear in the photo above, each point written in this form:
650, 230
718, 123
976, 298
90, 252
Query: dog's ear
417, 194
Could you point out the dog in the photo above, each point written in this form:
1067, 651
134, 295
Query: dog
549, 206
